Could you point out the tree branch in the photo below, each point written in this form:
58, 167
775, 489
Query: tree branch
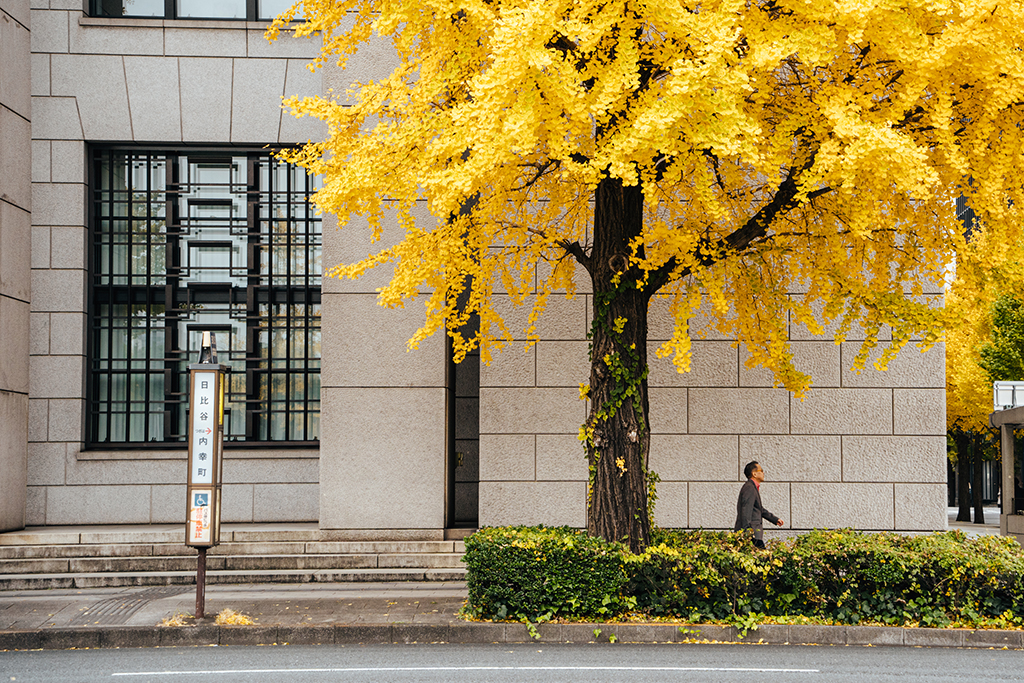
709, 252
576, 250
542, 169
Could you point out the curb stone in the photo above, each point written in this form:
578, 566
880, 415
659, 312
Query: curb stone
987, 638
933, 637
874, 635
370, 634
314, 634
814, 634
487, 632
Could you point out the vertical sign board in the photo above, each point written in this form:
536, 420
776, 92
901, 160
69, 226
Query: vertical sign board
205, 442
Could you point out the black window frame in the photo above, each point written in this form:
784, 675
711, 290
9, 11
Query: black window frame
258, 371
94, 9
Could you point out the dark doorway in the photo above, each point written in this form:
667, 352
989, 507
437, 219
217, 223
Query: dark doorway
463, 441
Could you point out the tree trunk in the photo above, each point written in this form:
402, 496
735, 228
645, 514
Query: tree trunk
618, 429
950, 484
976, 462
963, 476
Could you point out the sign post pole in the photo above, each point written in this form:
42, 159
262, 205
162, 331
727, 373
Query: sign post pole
201, 585
205, 444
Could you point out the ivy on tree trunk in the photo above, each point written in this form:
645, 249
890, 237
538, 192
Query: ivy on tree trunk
618, 431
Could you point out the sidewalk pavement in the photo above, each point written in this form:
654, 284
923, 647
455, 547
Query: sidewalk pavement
398, 612
374, 613
989, 528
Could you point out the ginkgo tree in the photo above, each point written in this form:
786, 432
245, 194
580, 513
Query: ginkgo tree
968, 389
721, 153
984, 344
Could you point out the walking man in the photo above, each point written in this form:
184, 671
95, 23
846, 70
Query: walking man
749, 510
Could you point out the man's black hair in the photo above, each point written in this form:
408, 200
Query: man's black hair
748, 471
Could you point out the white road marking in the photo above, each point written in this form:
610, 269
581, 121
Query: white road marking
369, 669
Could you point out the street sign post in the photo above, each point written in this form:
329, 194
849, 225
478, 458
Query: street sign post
205, 443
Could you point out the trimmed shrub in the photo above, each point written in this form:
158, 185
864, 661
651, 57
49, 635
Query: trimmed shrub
837, 576
850, 577
538, 573
700, 575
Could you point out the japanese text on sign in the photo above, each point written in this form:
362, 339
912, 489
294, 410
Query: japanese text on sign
200, 530
203, 426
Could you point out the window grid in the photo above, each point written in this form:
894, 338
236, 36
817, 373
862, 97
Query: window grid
184, 243
228, 10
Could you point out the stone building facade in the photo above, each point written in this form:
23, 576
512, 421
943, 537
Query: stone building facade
403, 444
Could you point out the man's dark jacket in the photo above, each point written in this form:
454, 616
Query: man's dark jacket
749, 510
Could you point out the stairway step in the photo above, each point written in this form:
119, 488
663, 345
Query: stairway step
35, 566
145, 534
89, 565
16, 552
119, 579
432, 560
341, 547
11, 552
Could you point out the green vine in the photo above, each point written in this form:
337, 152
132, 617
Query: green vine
628, 373
652, 494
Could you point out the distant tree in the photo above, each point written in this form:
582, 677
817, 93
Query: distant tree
986, 346
1002, 356
719, 153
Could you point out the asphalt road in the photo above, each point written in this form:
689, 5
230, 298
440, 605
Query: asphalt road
513, 664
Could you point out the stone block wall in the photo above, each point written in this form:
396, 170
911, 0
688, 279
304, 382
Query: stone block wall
532, 465
384, 426
863, 450
15, 280
149, 83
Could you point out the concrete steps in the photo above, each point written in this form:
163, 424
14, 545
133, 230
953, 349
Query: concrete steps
94, 557
119, 579
172, 563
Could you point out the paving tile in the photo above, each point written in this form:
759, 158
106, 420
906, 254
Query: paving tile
371, 618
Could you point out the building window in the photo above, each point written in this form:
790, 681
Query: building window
242, 10
193, 241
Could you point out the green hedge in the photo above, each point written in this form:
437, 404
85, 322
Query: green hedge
538, 573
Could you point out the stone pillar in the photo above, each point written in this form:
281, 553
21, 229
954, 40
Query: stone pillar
383, 417
15, 256
1008, 489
